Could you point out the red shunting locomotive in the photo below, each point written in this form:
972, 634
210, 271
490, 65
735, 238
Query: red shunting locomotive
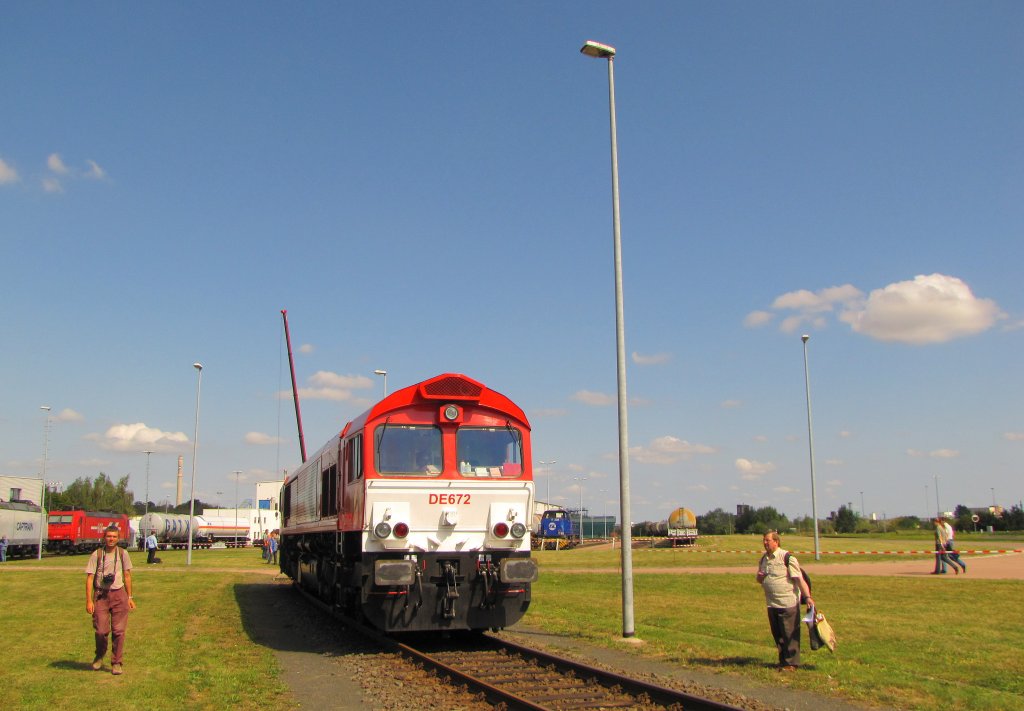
416, 515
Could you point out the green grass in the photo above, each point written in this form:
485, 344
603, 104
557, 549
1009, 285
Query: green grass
908, 643
738, 551
904, 643
186, 644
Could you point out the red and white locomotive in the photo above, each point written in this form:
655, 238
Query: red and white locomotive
416, 515
78, 531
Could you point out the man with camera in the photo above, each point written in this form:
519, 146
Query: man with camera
108, 597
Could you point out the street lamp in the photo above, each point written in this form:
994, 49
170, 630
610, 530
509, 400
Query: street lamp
237, 473
603, 51
810, 444
938, 506
581, 479
604, 516
42, 480
385, 374
195, 450
147, 453
862, 514
548, 477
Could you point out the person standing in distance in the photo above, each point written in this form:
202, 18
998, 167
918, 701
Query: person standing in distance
108, 598
151, 548
783, 586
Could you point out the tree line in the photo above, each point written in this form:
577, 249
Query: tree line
105, 494
846, 520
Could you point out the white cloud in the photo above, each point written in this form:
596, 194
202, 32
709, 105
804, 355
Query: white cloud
55, 164
1014, 436
929, 309
8, 174
653, 359
306, 348
813, 302
51, 185
757, 318
668, 450
760, 438
595, 399
731, 404
326, 385
138, 437
845, 434
751, 470
95, 171
785, 490
834, 462
68, 415
935, 453
261, 438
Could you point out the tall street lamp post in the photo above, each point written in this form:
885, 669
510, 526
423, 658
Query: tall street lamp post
237, 473
581, 479
147, 453
42, 480
604, 516
938, 506
383, 373
547, 475
607, 52
195, 451
810, 444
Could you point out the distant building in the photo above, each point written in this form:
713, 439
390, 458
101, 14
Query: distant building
742, 509
268, 494
21, 488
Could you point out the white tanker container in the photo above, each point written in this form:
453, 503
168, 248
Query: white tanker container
172, 529
224, 529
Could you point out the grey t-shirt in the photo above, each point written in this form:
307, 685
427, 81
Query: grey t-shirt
102, 563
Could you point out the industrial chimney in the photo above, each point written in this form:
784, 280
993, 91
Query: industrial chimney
181, 463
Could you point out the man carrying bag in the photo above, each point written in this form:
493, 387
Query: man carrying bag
784, 589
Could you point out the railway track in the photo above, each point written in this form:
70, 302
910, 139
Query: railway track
520, 677
513, 677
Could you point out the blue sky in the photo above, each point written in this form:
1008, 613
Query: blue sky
426, 188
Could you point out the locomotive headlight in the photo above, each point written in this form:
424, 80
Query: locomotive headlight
383, 530
451, 413
518, 530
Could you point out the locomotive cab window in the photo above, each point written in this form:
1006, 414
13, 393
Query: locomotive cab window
60, 519
489, 452
407, 450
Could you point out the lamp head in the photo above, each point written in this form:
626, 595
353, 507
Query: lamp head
197, 366
596, 49
380, 372
805, 338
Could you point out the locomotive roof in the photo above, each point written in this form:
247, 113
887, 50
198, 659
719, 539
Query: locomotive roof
447, 387
444, 388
